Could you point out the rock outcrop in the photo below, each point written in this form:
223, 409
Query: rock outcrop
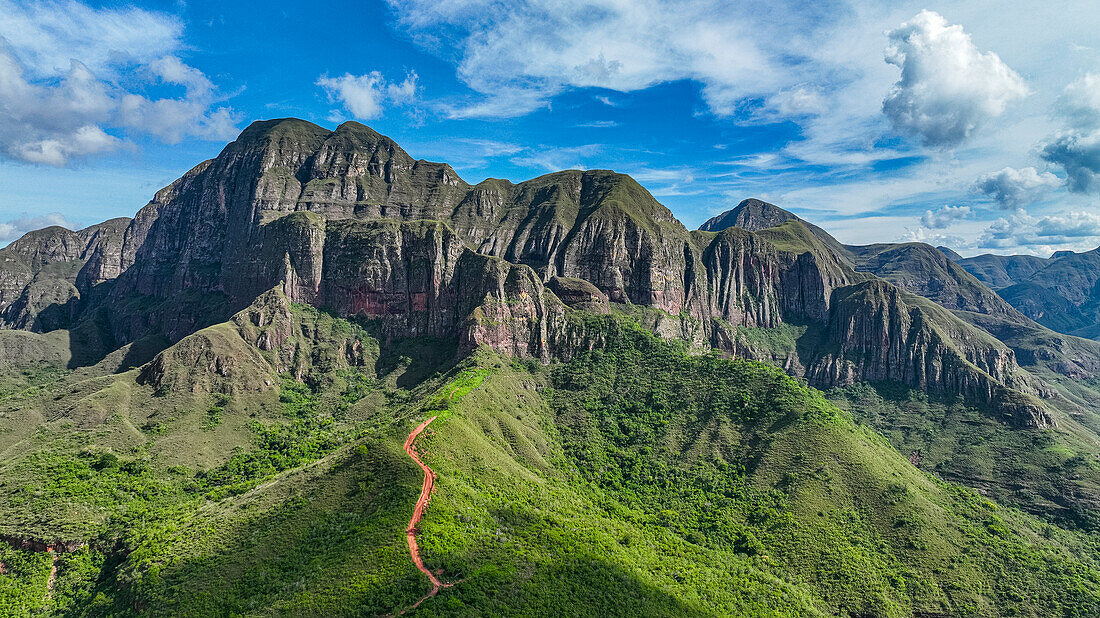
44, 274
348, 221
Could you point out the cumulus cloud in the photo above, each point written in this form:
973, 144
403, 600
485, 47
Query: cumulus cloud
948, 87
1079, 104
1079, 155
1039, 234
1077, 149
1014, 188
944, 217
14, 228
60, 67
50, 124
937, 239
366, 96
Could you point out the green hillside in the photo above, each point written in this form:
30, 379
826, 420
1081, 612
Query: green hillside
255, 468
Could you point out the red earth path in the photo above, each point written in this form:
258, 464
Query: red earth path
418, 512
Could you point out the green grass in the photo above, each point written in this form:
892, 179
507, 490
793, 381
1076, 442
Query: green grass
1039, 470
778, 342
23, 578
700, 485
634, 480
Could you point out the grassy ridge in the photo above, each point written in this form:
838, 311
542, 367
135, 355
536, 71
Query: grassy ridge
633, 480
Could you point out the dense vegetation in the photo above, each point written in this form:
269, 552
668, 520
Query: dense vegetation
636, 479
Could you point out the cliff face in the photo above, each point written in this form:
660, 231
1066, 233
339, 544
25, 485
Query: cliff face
744, 277
348, 221
44, 274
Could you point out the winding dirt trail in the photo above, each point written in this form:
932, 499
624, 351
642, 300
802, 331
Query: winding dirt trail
418, 512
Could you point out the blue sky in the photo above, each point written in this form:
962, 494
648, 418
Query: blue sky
973, 124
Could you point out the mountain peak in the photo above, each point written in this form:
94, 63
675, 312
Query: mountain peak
751, 214
950, 253
277, 127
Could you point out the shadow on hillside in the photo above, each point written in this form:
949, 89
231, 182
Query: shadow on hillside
416, 360
578, 586
322, 541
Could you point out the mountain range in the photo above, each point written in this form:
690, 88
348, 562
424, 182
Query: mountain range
202, 407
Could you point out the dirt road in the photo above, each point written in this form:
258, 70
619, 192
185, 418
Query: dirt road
418, 512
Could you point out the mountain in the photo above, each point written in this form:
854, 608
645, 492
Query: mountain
755, 215
206, 409
347, 220
950, 253
752, 215
1001, 271
1058, 292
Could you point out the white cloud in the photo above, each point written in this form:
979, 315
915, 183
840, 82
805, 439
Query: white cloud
948, 88
1079, 104
1039, 235
173, 120
1079, 154
518, 55
1014, 188
14, 228
50, 124
1069, 225
944, 217
936, 239
1077, 149
49, 35
61, 69
798, 101
365, 96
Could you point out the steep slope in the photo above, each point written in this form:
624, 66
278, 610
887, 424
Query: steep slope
1059, 293
633, 480
894, 341
1045, 306
928, 272
751, 214
44, 274
755, 215
950, 253
346, 220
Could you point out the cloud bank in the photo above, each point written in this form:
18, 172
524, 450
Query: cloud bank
72, 77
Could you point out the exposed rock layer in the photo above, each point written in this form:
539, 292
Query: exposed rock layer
347, 220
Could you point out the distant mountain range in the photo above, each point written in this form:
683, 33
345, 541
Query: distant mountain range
307, 256
1058, 292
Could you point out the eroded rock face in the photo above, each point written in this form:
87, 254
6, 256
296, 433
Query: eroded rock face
579, 294
44, 274
348, 221
743, 279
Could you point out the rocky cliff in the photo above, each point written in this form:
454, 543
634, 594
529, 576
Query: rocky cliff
348, 221
44, 274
